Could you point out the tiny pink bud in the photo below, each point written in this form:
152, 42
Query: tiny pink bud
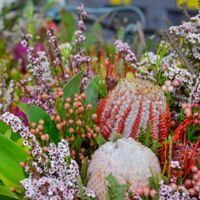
68, 100
168, 83
22, 164
71, 130
146, 191
139, 191
43, 138
175, 83
46, 137
153, 193
79, 122
71, 121
66, 106
170, 88
89, 106
164, 88
94, 117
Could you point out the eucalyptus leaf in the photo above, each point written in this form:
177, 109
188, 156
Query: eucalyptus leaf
72, 87
92, 91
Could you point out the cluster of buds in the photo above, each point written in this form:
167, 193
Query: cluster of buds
188, 109
52, 173
146, 192
190, 189
76, 124
193, 183
38, 131
170, 85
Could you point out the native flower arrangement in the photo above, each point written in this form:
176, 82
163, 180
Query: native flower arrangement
75, 127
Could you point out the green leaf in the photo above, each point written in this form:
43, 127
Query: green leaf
92, 91
115, 191
35, 113
5, 193
100, 140
93, 35
77, 143
7, 134
11, 155
94, 88
84, 171
3, 127
72, 87
103, 89
80, 188
67, 26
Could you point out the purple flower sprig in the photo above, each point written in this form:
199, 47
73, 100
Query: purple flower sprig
79, 36
129, 57
56, 52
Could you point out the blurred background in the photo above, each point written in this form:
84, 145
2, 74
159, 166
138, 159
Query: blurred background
106, 18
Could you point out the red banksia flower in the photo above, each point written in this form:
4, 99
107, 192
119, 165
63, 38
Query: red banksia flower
131, 106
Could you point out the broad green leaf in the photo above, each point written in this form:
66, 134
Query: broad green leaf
72, 87
93, 35
11, 155
7, 134
92, 91
100, 140
6, 131
115, 191
5, 193
77, 143
94, 88
67, 26
35, 113
3, 127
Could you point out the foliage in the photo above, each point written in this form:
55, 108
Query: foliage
115, 191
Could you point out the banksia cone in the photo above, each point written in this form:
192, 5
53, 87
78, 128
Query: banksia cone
131, 106
128, 161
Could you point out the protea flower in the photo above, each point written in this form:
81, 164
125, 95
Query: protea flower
128, 161
131, 106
